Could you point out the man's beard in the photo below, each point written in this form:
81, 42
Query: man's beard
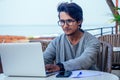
72, 32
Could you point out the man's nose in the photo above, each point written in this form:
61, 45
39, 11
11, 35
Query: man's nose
66, 24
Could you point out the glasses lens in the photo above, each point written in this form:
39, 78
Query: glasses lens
70, 22
61, 22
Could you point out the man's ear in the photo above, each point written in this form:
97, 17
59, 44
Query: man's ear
80, 22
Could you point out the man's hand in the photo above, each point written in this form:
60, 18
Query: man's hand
52, 67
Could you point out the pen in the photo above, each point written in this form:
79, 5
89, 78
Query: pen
79, 74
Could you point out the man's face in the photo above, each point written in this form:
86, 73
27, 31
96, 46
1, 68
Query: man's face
68, 24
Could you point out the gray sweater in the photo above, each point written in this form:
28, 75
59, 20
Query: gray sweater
81, 56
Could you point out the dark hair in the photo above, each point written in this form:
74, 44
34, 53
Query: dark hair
74, 10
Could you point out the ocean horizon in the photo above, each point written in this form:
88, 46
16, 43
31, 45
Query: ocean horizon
40, 30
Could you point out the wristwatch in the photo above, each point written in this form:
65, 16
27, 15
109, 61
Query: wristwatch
61, 66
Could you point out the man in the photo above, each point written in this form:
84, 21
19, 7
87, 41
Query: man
75, 49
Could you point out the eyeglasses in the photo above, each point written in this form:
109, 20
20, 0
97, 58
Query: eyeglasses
68, 22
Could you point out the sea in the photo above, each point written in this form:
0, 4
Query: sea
40, 30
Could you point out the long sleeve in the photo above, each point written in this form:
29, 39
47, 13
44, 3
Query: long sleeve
55, 52
49, 54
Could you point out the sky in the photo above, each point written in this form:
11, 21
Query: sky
44, 12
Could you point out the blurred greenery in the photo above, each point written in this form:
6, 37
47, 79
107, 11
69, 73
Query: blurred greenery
117, 16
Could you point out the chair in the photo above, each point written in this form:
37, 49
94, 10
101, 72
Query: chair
104, 60
44, 43
114, 40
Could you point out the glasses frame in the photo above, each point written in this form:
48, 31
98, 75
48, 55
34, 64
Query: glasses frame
68, 22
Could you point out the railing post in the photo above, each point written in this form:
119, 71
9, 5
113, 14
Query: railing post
101, 31
112, 30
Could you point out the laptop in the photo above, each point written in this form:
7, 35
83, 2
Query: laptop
23, 59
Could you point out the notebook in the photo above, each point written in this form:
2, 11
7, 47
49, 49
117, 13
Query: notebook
23, 59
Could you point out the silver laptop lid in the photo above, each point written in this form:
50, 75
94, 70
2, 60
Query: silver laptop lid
22, 59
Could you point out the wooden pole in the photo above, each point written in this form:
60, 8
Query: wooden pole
117, 3
116, 11
112, 8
